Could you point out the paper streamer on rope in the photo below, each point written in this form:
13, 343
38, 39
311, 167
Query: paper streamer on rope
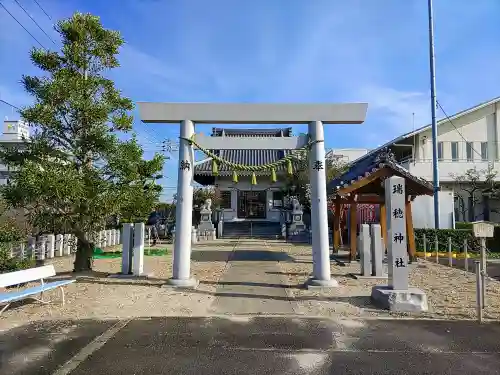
254, 179
289, 168
273, 175
215, 168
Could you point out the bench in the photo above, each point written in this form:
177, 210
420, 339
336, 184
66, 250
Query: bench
26, 276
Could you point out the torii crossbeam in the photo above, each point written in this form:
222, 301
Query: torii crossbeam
315, 115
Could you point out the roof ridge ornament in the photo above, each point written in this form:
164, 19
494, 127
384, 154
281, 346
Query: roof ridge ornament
385, 155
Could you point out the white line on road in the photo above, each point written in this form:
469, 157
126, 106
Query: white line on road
90, 348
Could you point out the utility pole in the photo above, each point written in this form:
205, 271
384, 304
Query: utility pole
435, 166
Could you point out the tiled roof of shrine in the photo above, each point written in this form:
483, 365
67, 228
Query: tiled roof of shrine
371, 164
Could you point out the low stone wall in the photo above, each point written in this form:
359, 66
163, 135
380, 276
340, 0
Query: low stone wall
57, 245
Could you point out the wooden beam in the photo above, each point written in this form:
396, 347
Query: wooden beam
353, 230
410, 232
336, 225
383, 224
363, 182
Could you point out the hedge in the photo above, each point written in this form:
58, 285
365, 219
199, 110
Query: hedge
458, 236
10, 234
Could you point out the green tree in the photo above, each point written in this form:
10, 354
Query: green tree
74, 172
474, 190
298, 184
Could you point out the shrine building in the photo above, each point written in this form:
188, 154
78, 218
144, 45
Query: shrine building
244, 198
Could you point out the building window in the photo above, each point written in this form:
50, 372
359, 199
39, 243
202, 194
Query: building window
277, 199
454, 151
225, 199
440, 151
484, 151
469, 149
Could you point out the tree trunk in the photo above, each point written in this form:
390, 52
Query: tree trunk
83, 257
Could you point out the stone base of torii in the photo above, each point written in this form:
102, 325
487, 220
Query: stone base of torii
315, 115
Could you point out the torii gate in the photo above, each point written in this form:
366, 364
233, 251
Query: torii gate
315, 115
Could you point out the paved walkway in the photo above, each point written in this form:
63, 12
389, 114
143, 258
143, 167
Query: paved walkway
250, 346
251, 274
238, 342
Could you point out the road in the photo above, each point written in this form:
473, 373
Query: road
251, 345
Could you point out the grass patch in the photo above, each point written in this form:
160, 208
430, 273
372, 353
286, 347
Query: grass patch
152, 252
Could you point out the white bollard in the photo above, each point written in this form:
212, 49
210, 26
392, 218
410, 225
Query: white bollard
194, 235
450, 255
139, 249
424, 240
51, 239
108, 237
149, 236
104, 239
41, 248
466, 258
66, 244
31, 248
59, 245
436, 243
118, 236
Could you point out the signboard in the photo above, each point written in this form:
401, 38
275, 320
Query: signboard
483, 229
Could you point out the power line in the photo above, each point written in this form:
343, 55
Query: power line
36, 23
12, 105
458, 131
20, 24
43, 10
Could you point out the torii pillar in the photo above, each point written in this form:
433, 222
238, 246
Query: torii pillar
315, 115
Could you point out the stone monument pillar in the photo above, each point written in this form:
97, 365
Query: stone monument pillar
377, 251
397, 295
364, 250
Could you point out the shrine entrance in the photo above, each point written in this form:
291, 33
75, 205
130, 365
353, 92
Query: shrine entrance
252, 204
315, 115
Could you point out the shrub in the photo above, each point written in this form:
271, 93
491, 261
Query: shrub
463, 225
9, 232
9, 264
458, 236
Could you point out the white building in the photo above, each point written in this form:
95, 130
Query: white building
346, 155
466, 140
13, 132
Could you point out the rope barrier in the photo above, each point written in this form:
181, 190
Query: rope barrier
216, 160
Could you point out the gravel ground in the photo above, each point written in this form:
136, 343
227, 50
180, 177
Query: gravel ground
95, 296
451, 292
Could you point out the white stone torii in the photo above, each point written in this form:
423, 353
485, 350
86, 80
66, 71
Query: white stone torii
315, 115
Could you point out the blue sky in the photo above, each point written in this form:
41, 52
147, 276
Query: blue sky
280, 51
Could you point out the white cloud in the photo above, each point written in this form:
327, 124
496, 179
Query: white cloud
397, 108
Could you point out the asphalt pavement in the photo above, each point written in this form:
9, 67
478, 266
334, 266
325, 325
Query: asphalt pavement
251, 345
